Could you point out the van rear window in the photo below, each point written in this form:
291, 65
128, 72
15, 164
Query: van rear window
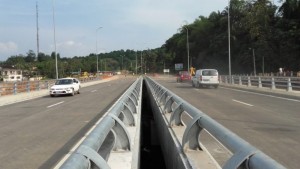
210, 73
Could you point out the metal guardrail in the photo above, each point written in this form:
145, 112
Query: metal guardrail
9, 88
244, 155
109, 134
13, 88
287, 83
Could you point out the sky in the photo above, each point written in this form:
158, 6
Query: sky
126, 24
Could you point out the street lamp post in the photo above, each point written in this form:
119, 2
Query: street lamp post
97, 48
122, 62
229, 51
141, 62
263, 65
254, 66
56, 68
253, 57
188, 48
136, 62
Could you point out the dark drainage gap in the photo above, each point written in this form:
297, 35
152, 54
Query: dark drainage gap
151, 154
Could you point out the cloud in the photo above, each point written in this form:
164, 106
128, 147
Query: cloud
71, 48
7, 48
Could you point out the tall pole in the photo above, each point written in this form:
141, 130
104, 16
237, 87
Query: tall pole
37, 31
254, 67
187, 48
97, 49
121, 62
229, 54
56, 69
141, 62
136, 62
263, 65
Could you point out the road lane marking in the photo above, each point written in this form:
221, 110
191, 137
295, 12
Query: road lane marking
55, 104
267, 95
93, 91
242, 102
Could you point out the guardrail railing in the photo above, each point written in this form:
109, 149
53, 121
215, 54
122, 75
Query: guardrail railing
13, 88
287, 83
110, 134
244, 154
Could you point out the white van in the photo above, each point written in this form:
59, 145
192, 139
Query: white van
206, 77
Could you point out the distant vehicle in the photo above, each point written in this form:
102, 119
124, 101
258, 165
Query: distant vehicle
65, 86
206, 77
183, 76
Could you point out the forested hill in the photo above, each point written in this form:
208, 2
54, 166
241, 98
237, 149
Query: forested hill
271, 33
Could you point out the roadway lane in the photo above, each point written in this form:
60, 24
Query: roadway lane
38, 133
272, 124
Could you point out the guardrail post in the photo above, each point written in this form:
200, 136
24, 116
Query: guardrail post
38, 86
289, 85
28, 86
240, 81
249, 81
15, 88
191, 135
220, 79
226, 80
273, 84
259, 83
232, 80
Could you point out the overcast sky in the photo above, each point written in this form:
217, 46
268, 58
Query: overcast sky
126, 24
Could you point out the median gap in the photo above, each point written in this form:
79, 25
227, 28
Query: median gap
151, 153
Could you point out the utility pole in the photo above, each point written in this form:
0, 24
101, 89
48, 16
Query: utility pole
229, 54
136, 62
37, 30
56, 68
141, 62
254, 67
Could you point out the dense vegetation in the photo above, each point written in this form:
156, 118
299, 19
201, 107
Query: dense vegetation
258, 27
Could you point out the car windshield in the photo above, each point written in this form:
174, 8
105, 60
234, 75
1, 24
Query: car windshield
210, 73
64, 81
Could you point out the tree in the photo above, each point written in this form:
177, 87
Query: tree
43, 57
30, 56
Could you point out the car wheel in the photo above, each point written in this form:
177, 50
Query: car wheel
78, 92
216, 86
51, 95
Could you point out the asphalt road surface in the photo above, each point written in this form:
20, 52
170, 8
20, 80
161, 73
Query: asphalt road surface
270, 123
38, 133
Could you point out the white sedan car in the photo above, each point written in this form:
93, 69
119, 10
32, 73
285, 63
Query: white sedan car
65, 86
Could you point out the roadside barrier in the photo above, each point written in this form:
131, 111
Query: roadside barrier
111, 135
287, 83
13, 88
172, 110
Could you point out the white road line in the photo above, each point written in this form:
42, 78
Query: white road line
55, 104
242, 102
267, 95
93, 91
